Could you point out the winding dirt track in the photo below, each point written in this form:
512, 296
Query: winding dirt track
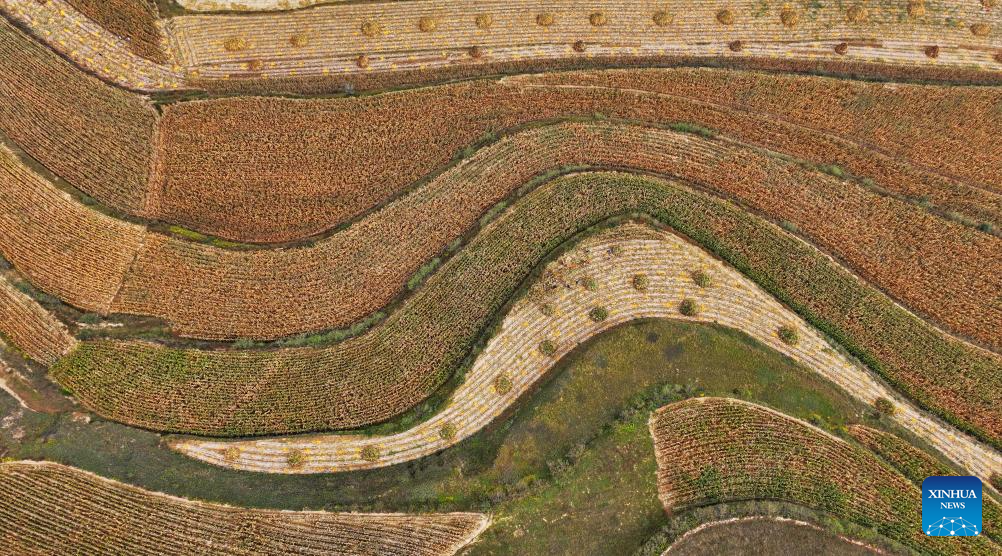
612, 260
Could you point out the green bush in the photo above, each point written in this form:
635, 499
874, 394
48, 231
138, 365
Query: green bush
448, 431
789, 335
370, 453
502, 384
598, 314
547, 347
640, 282
885, 406
688, 308
295, 458
702, 279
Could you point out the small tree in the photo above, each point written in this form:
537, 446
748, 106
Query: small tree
502, 384
295, 458
688, 308
885, 406
640, 282
370, 453
547, 348
789, 335
702, 279
598, 314
447, 432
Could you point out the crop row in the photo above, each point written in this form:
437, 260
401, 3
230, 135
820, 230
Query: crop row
216, 164
95, 136
916, 465
713, 450
70, 511
30, 327
339, 158
626, 273
437, 33
135, 21
65, 248
392, 43
109, 54
372, 377
939, 268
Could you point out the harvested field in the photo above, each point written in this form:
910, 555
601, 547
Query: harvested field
92, 47
135, 21
713, 450
431, 34
383, 372
30, 327
318, 163
95, 136
418, 42
67, 510
599, 272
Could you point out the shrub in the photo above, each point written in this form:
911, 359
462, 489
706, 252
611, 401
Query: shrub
640, 282
370, 453
688, 308
702, 279
590, 284
448, 431
295, 459
90, 318
788, 334
598, 314
885, 406
996, 481
546, 347
502, 384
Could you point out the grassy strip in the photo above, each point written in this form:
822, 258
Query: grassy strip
719, 450
401, 361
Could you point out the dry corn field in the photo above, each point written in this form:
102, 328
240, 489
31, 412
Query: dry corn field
427, 277
67, 510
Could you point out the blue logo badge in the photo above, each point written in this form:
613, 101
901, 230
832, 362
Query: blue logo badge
951, 506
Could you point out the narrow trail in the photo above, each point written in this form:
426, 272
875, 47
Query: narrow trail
612, 260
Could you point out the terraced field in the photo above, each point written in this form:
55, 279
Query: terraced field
132, 381
66, 510
600, 273
386, 277
715, 449
380, 43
